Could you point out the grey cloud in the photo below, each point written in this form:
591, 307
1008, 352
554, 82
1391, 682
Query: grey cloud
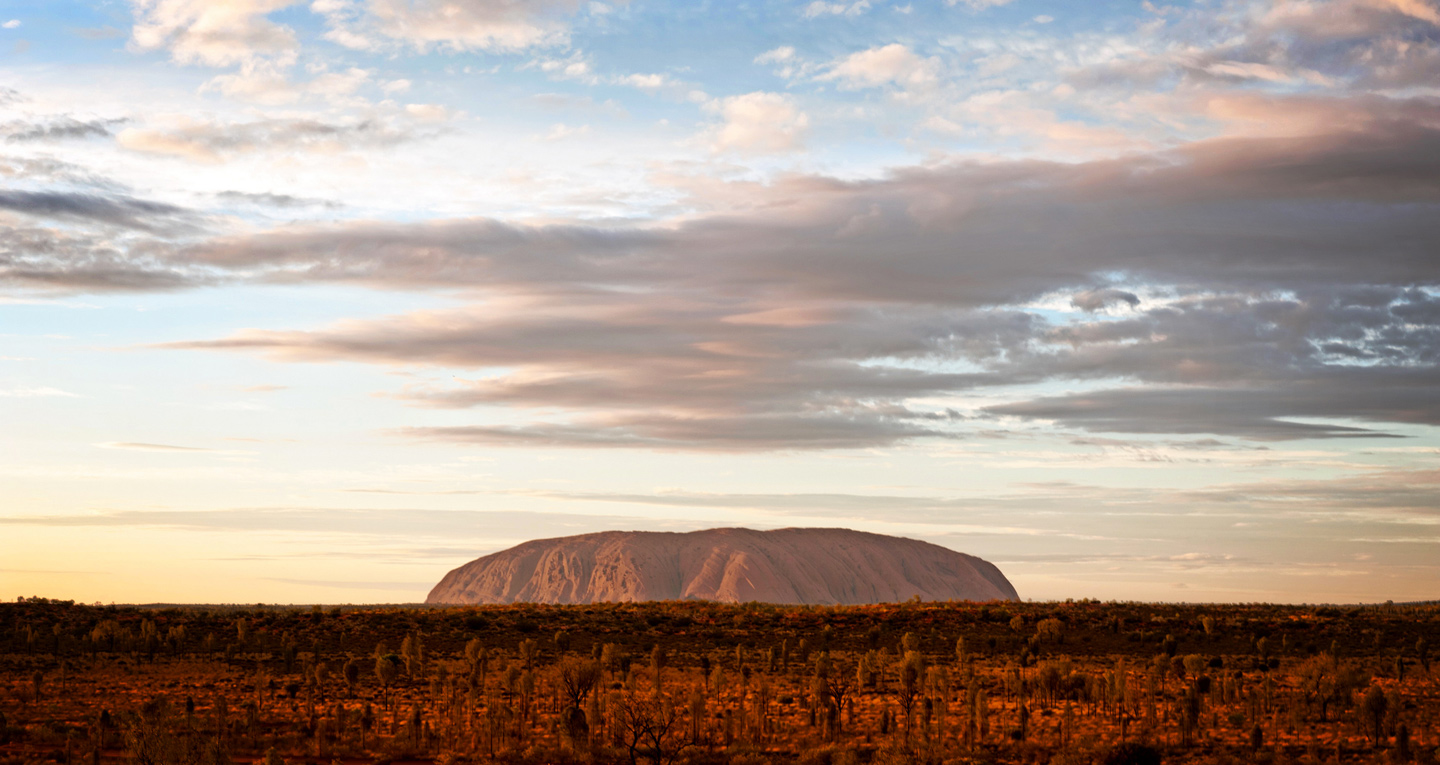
843, 430
115, 210
59, 128
93, 238
269, 199
1379, 45
1099, 299
1357, 44
819, 313
909, 508
1245, 213
698, 378
1249, 366
54, 259
45, 169
1247, 413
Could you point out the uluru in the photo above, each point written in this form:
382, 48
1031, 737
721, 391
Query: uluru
736, 565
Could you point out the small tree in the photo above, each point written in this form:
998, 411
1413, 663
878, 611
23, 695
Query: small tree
351, 673
1372, 709
912, 671
367, 721
832, 686
412, 653
387, 670
321, 671
658, 660
478, 658
1050, 630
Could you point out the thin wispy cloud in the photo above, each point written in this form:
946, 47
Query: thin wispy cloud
144, 447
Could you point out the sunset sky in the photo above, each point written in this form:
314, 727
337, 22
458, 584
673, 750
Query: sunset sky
314, 301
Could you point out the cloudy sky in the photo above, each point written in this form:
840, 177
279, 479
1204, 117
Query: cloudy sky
312, 301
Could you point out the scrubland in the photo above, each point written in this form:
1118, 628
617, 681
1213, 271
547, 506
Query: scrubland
676, 682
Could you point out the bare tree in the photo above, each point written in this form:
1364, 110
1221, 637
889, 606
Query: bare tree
652, 728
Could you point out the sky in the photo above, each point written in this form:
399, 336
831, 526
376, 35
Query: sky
312, 302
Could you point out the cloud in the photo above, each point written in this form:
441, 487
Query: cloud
778, 55
645, 380
1355, 45
48, 170
1100, 299
979, 5
787, 62
143, 447
842, 430
560, 131
11, 24
114, 210
1231, 213
240, 34
428, 112
760, 123
213, 34
822, 8
893, 64
64, 259
1289, 292
1254, 414
270, 199
1264, 368
213, 142
487, 25
1397, 498
60, 128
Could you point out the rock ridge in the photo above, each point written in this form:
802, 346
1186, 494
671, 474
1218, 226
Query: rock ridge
831, 566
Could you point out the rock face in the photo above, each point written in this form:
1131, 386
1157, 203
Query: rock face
822, 566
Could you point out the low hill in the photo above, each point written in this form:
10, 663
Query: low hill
820, 566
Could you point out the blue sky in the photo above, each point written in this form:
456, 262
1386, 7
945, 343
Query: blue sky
314, 301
